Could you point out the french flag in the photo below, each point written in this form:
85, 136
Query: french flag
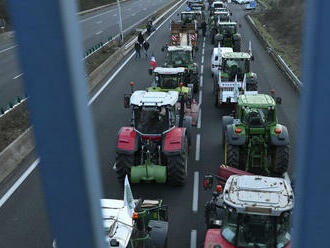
153, 62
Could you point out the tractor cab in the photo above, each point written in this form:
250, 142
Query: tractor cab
236, 63
166, 79
227, 35
222, 16
197, 6
189, 17
251, 211
154, 113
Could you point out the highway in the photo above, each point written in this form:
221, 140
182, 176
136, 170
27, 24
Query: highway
23, 217
95, 27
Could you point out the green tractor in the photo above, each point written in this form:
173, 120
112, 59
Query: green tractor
182, 56
228, 36
170, 79
253, 139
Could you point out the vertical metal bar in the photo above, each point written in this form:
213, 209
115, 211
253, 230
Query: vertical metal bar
312, 170
120, 22
50, 52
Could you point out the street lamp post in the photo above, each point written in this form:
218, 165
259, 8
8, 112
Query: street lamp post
120, 23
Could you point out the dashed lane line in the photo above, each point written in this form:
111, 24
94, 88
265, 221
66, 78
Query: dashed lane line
193, 239
17, 76
201, 81
195, 192
200, 98
198, 147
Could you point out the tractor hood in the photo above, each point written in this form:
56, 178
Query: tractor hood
117, 223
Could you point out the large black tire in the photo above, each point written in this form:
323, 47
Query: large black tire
177, 166
233, 156
280, 160
124, 164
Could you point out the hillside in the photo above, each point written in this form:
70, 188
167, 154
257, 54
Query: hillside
284, 22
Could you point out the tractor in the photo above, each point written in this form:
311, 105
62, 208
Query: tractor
155, 148
250, 211
228, 36
182, 56
170, 79
192, 16
253, 139
234, 78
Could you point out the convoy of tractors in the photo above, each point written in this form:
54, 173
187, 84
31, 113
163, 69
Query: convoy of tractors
253, 200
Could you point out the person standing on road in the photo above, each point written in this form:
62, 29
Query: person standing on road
203, 24
137, 47
140, 39
146, 47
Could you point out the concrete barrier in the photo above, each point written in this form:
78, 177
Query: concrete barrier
277, 58
14, 154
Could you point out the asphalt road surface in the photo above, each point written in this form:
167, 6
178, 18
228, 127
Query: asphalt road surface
23, 217
95, 27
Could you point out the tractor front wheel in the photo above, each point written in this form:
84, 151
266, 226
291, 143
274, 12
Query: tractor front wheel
123, 166
281, 160
177, 167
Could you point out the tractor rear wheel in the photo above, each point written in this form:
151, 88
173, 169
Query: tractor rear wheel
177, 167
124, 164
232, 155
280, 160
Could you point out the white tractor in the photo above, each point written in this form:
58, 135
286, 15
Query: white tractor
251, 211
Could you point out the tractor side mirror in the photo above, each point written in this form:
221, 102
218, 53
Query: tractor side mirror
127, 98
208, 182
163, 49
231, 13
278, 100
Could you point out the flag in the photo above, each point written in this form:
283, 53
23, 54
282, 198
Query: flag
153, 62
128, 198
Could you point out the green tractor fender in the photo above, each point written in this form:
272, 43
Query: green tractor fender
279, 135
236, 135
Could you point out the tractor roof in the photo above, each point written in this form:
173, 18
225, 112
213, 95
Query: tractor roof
169, 71
258, 194
221, 12
178, 48
154, 99
223, 50
236, 55
192, 12
117, 222
227, 23
256, 100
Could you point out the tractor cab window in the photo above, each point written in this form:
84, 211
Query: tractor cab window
223, 17
167, 81
228, 29
187, 17
250, 231
151, 120
180, 58
236, 67
218, 5
257, 117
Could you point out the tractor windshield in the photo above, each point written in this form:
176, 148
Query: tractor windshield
218, 5
250, 231
167, 81
236, 67
223, 17
179, 58
151, 120
258, 117
187, 17
228, 29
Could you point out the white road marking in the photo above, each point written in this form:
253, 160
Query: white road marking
201, 81
199, 123
200, 97
133, 14
144, 9
198, 147
114, 15
202, 69
202, 59
203, 51
99, 32
17, 76
7, 49
193, 239
101, 14
195, 192
35, 163
99, 22
18, 183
